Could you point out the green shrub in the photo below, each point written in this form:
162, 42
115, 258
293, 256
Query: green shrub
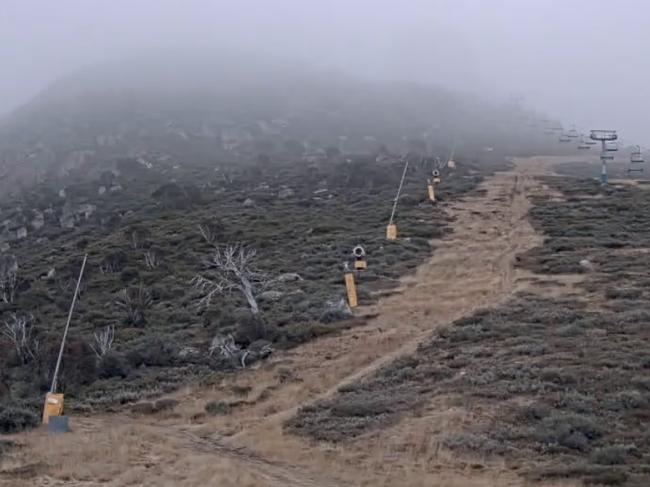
14, 419
218, 408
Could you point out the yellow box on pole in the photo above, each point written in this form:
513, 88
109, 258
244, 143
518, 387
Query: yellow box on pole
53, 406
436, 180
352, 290
391, 232
360, 265
432, 194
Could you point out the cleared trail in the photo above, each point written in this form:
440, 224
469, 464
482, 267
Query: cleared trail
472, 267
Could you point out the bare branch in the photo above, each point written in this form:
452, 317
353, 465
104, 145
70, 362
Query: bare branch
135, 301
19, 331
103, 341
231, 268
8, 277
151, 259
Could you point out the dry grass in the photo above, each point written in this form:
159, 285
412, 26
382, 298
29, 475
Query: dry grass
470, 268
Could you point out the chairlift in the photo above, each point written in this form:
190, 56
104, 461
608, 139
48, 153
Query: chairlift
603, 135
564, 138
573, 133
606, 157
584, 146
611, 147
636, 157
636, 169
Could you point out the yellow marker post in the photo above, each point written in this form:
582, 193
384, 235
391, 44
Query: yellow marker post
352, 290
360, 265
391, 232
432, 193
53, 406
451, 163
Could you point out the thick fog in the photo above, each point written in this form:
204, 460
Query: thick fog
578, 60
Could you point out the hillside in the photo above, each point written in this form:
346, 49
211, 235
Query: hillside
153, 179
205, 107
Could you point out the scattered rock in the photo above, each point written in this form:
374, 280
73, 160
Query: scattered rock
271, 295
21, 233
188, 353
38, 221
289, 277
115, 188
286, 193
335, 309
249, 202
101, 190
62, 193
587, 265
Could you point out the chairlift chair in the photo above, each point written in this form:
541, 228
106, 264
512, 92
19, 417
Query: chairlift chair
635, 169
573, 133
611, 147
603, 135
564, 138
584, 146
636, 157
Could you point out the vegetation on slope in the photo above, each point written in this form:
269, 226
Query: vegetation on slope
564, 382
147, 241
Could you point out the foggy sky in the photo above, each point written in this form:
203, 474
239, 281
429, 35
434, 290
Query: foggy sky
579, 60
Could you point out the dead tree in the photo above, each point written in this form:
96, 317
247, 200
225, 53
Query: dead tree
210, 232
151, 259
228, 349
231, 269
103, 341
8, 277
20, 332
135, 302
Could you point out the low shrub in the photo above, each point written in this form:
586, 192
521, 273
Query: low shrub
14, 419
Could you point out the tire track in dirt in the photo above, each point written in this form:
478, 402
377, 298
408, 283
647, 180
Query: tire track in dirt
473, 267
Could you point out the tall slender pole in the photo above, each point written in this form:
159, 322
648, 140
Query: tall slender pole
603, 160
67, 326
399, 190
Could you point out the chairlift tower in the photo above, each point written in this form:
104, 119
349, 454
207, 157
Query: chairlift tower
604, 136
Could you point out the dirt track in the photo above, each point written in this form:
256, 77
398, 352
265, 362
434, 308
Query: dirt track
471, 268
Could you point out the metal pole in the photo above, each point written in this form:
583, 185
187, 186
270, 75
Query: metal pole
67, 325
399, 190
603, 154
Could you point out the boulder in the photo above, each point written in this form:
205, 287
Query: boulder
38, 221
249, 202
587, 265
271, 295
335, 309
289, 277
21, 233
285, 193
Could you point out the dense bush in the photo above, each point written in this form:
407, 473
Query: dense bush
14, 419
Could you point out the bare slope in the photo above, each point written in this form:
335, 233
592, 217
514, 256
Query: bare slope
472, 267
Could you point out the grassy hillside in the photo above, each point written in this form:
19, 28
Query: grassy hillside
559, 385
145, 239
